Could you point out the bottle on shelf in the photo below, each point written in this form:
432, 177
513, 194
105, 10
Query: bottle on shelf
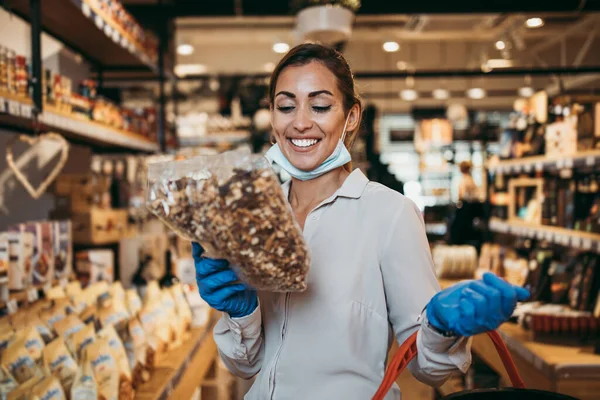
169, 279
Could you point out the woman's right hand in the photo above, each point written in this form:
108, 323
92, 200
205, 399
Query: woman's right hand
220, 287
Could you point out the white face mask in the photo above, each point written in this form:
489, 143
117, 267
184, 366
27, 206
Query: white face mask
339, 158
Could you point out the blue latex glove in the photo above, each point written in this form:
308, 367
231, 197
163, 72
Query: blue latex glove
474, 307
220, 287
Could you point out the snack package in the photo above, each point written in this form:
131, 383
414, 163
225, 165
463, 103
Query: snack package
52, 314
112, 312
59, 361
48, 389
7, 383
157, 336
116, 291
26, 318
93, 266
32, 341
4, 260
118, 351
23, 391
200, 309
43, 267
133, 301
84, 386
105, 368
19, 362
233, 205
80, 340
138, 352
20, 250
183, 309
63, 249
68, 326
73, 289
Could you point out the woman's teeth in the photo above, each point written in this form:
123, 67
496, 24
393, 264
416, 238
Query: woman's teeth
304, 142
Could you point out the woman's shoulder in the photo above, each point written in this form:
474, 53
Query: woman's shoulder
382, 198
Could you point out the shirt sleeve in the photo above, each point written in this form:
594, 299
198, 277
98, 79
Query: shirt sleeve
240, 343
410, 283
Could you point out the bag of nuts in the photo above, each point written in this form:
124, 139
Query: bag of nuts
233, 205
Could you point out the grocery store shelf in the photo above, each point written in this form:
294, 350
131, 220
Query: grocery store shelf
589, 158
183, 369
84, 27
564, 237
224, 137
17, 112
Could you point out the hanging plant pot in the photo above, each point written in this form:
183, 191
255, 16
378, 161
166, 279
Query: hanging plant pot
326, 24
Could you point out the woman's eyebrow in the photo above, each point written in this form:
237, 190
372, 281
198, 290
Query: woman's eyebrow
288, 94
318, 92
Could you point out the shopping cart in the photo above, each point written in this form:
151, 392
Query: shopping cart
408, 351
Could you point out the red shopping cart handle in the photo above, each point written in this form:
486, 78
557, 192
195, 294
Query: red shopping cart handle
408, 351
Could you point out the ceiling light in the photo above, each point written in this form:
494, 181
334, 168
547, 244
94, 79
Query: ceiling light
498, 63
409, 94
189, 69
185, 49
441, 94
500, 45
476, 93
281, 48
526, 91
269, 67
534, 22
391, 47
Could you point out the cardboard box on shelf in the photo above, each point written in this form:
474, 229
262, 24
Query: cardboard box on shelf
94, 266
99, 226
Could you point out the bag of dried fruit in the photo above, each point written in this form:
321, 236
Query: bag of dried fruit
233, 205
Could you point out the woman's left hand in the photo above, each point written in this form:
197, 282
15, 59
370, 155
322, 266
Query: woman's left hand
474, 307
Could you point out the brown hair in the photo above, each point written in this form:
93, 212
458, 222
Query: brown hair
336, 63
465, 167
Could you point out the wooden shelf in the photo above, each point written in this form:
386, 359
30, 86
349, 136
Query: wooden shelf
564, 237
19, 111
81, 25
572, 370
582, 159
214, 138
183, 369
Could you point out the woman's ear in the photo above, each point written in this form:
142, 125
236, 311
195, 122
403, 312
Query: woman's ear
353, 118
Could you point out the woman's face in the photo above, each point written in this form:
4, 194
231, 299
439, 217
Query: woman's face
308, 114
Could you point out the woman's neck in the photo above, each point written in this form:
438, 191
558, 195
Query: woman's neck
308, 194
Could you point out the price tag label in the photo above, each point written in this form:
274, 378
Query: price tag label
32, 295
14, 108
539, 167
108, 30
3, 106
527, 168
518, 168
532, 233
26, 111
85, 9
586, 244
115, 36
565, 240
131, 48
99, 22
124, 42
576, 242
590, 161
12, 306
549, 236
540, 235
560, 164
569, 163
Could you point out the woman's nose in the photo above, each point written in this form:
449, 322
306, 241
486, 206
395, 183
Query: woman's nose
302, 121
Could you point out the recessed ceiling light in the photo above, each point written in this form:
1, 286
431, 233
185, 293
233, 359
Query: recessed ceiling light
281, 48
500, 45
391, 47
476, 93
441, 94
526, 91
409, 94
189, 69
534, 22
185, 49
269, 67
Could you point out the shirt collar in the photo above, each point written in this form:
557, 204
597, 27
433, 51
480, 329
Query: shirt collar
353, 186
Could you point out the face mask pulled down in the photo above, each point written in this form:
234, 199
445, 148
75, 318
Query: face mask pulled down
339, 158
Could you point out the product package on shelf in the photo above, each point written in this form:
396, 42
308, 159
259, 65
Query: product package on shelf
561, 138
20, 247
63, 250
94, 266
233, 205
4, 264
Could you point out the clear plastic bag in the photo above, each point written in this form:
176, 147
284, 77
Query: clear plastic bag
232, 204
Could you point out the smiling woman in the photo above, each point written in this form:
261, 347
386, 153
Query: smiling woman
315, 105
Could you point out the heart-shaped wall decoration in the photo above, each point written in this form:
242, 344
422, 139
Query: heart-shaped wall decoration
64, 154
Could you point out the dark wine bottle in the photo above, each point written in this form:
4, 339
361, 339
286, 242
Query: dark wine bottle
169, 279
